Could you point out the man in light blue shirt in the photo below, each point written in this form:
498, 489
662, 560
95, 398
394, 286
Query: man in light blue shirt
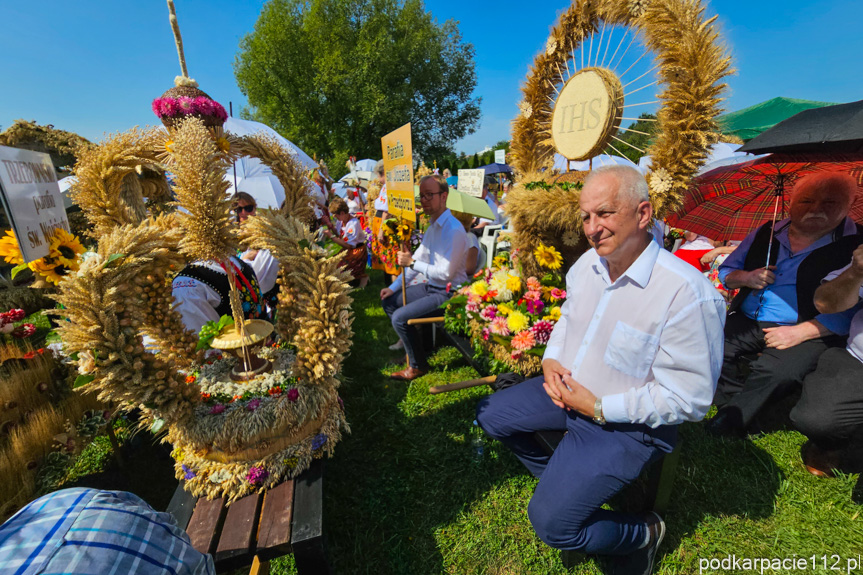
84, 531
440, 258
774, 316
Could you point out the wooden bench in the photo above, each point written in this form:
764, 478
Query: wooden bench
259, 527
659, 476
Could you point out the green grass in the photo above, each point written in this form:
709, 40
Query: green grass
405, 493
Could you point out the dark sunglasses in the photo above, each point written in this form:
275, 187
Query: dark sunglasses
247, 209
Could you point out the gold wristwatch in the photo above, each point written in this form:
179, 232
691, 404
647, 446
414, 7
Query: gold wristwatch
597, 412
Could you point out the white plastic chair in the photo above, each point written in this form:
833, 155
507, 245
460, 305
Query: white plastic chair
489, 241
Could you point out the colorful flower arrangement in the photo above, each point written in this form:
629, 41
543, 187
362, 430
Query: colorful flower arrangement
168, 107
219, 393
507, 315
64, 256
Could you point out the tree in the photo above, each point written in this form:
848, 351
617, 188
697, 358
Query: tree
646, 123
502, 145
334, 76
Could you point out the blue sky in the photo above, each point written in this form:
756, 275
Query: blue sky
93, 67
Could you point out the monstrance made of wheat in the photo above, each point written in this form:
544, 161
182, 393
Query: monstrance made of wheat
253, 416
605, 62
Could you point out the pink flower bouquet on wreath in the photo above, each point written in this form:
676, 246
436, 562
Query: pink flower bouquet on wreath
509, 317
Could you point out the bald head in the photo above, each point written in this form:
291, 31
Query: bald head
820, 202
841, 185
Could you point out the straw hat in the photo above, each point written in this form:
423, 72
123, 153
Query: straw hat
257, 331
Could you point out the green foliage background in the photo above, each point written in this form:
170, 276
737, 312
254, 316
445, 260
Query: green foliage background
334, 76
646, 124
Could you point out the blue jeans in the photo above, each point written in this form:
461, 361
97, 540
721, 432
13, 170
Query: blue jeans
424, 300
590, 465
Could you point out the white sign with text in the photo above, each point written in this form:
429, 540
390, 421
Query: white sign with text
470, 182
31, 196
500, 156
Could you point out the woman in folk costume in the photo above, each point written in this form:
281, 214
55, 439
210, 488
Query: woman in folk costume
201, 292
320, 193
262, 261
350, 235
378, 205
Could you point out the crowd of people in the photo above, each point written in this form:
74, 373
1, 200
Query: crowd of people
654, 339
647, 340
201, 289
642, 346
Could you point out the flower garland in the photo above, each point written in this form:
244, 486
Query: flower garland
169, 107
508, 315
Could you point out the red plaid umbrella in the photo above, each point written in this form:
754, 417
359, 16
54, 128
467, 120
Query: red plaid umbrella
729, 202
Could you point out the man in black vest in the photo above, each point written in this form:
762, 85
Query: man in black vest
774, 316
830, 411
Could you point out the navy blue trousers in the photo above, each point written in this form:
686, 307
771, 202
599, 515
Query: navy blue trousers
424, 300
590, 465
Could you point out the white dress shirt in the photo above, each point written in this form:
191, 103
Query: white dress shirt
440, 257
699, 243
473, 242
319, 199
649, 344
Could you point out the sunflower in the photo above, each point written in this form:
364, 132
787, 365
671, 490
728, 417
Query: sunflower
49, 268
547, 257
553, 314
65, 248
9, 249
223, 144
403, 232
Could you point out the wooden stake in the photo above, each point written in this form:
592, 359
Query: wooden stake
404, 248
425, 320
489, 379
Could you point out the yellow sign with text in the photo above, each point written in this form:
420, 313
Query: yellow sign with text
399, 167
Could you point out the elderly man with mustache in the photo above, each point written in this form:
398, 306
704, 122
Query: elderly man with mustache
774, 315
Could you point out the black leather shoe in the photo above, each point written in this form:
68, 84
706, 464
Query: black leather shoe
640, 561
728, 422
